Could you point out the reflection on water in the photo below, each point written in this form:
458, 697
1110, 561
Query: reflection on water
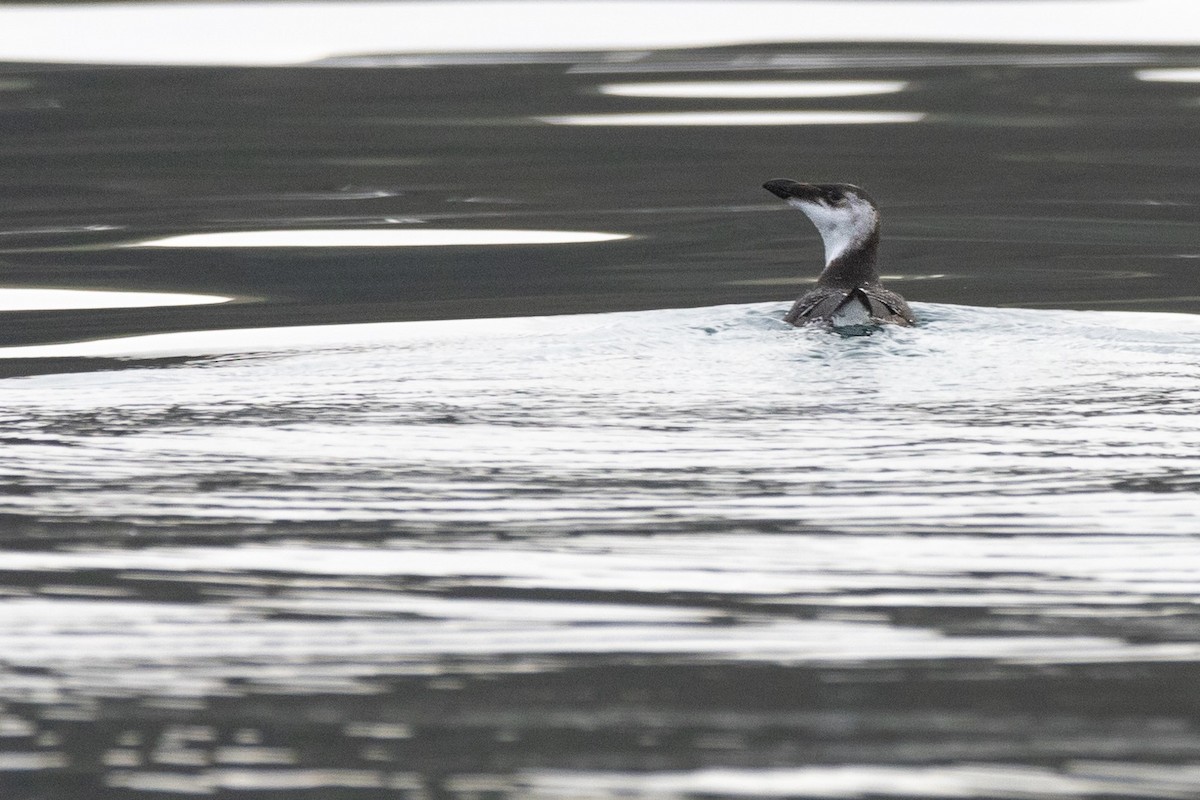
753, 89
753, 118
63, 299
971, 780
523, 424
345, 237
223, 34
648, 554
1169, 75
568, 512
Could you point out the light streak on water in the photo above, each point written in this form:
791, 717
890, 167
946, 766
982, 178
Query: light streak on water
376, 237
27, 299
752, 118
753, 89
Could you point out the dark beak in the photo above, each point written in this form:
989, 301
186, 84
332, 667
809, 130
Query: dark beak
785, 189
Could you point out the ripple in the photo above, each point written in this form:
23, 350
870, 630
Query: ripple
861, 781
980, 420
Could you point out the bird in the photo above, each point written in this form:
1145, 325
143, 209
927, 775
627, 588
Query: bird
848, 293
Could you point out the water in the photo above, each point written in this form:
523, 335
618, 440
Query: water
602, 555
471, 460
712, 418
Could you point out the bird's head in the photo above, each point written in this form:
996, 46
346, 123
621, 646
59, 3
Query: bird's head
844, 214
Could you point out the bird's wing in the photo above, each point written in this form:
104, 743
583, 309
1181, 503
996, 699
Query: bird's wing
816, 305
887, 305
823, 302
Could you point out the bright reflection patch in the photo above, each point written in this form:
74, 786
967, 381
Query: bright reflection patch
1169, 75
856, 781
69, 299
276, 33
753, 89
749, 118
377, 238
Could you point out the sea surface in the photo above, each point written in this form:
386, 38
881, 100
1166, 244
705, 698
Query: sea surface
423, 425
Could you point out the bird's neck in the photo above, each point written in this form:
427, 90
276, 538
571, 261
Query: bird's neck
853, 265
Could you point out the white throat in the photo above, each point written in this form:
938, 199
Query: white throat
842, 228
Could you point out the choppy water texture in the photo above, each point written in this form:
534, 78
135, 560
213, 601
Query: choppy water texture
648, 554
567, 512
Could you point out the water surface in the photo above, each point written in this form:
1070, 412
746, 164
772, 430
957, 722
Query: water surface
489, 471
603, 555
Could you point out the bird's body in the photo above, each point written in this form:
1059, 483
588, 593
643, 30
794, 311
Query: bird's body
848, 293
860, 306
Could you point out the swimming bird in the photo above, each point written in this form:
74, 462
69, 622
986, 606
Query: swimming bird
848, 293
